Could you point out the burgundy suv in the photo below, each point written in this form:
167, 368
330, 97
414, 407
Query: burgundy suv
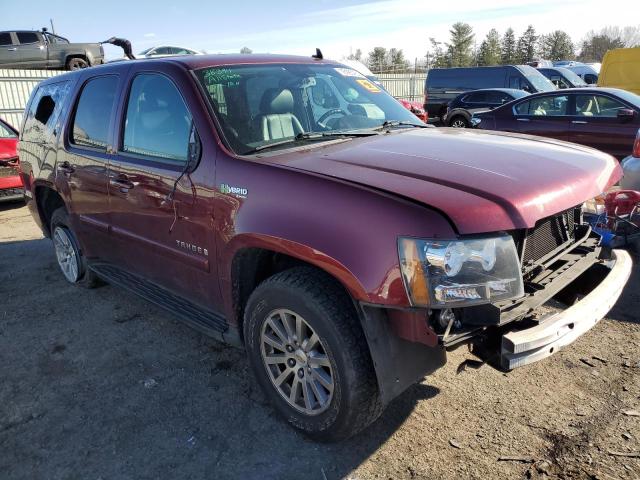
290, 206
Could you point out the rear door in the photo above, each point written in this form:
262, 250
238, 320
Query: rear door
595, 123
32, 49
546, 116
162, 212
82, 165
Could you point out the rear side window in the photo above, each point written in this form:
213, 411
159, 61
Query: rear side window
93, 113
158, 123
5, 38
498, 97
477, 97
28, 37
44, 111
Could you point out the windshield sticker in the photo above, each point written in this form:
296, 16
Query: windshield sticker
221, 76
368, 85
347, 72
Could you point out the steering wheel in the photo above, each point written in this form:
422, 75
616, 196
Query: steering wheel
331, 113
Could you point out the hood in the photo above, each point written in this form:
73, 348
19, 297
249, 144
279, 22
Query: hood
482, 181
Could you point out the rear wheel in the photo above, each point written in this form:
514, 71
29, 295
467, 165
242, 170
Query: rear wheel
77, 63
459, 122
309, 354
68, 254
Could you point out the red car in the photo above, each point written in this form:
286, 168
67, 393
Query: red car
345, 249
603, 118
416, 108
10, 183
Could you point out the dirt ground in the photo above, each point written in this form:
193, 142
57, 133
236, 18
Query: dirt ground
99, 384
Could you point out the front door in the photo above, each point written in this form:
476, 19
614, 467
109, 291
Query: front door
596, 123
546, 116
161, 221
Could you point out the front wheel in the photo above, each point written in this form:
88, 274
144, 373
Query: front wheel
459, 122
309, 355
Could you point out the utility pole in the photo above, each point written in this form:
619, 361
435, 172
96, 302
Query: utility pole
53, 30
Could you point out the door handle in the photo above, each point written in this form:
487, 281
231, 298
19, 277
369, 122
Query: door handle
122, 183
523, 119
66, 169
579, 122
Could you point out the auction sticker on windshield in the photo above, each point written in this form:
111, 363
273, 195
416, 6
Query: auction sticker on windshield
348, 72
368, 85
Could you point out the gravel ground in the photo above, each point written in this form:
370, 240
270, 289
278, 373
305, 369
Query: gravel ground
98, 384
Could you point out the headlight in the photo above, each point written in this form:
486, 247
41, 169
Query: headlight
445, 273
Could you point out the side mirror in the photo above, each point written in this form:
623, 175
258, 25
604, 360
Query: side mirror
625, 114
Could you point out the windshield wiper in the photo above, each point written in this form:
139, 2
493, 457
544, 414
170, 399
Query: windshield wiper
398, 123
311, 136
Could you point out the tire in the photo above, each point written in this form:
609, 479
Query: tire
459, 122
77, 63
340, 353
72, 263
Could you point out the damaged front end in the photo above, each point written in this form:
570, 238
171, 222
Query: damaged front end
570, 283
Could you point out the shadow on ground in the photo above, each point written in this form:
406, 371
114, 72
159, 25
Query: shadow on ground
98, 383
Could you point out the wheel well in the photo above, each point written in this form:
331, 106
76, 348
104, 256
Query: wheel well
76, 55
48, 201
251, 266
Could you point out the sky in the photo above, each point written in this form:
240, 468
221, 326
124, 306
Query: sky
338, 27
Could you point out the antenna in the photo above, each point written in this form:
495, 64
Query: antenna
318, 55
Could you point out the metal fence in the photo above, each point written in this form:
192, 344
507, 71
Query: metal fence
15, 88
408, 86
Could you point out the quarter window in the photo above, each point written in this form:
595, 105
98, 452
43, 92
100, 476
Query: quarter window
549, 106
5, 38
28, 37
6, 132
93, 113
45, 110
158, 123
597, 106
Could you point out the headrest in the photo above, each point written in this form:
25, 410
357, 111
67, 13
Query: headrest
275, 100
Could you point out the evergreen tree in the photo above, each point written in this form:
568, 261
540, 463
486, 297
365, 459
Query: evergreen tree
356, 56
526, 47
396, 60
377, 60
508, 48
459, 50
246, 50
556, 46
489, 53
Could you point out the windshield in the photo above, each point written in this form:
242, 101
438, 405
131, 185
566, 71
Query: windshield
539, 81
575, 80
144, 52
259, 105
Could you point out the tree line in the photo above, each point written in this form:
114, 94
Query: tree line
463, 50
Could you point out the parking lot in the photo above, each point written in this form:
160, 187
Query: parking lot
100, 384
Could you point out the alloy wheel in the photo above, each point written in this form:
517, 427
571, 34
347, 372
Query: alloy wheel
66, 254
296, 362
458, 123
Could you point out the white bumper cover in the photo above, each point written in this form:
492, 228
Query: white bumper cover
555, 331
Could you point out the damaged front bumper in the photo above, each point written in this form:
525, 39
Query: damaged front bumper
554, 331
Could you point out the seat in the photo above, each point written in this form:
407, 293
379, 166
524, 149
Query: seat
276, 119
